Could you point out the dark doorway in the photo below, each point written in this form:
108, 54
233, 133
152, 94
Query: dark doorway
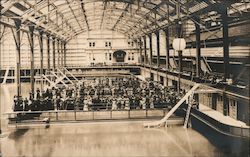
175, 84
161, 80
151, 76
119, 55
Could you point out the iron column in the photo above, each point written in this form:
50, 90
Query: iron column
145, 50
58, 52
225, 42
64, 44
62, 53
17, 38
167, 53
158, 48
48, 51
150, 50
179, 25
224, 16
140, 42
54, 53
41, 54
32, 72
198, 46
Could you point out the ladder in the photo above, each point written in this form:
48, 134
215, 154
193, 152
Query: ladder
190, 103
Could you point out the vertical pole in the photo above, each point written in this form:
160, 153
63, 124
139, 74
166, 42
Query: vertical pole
179, 35
179, 25
150, 50
145, 50
140, 45
225, 43
167, 52
32, 72
18, 56
58, 52
54, 53
198, 47
167, 48
41, 54
224, 16
62, 53
158, 53
48, 51
158, 48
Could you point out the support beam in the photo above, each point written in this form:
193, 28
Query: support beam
198, 47
167, 48
41, 54
224, 16
32, 71
17, 38
48, 51
158, 48
145, 49
84, 14
140, 49
58, 52
64, 48
150, 50
62, 53
179, 35
226, 66
54, 53
167, 52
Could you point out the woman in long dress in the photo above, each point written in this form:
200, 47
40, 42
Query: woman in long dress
114, 104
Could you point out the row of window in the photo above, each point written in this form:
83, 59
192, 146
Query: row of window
131, 43
91, 44
107, 44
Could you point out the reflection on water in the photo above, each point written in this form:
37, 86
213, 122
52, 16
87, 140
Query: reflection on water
17, 134
107, 139
97, 139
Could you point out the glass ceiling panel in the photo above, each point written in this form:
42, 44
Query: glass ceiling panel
93, 14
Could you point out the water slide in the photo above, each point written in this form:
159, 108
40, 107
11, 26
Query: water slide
164, 120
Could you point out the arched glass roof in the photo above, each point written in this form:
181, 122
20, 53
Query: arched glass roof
67, 18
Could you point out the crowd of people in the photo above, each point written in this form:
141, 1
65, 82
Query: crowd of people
122, 93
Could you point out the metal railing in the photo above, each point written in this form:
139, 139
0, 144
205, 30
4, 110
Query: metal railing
78, 115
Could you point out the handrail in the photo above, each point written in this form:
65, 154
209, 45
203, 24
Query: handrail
70, 73
65, 76
59, 79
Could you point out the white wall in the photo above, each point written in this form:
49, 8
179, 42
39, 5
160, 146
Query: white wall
80, 53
